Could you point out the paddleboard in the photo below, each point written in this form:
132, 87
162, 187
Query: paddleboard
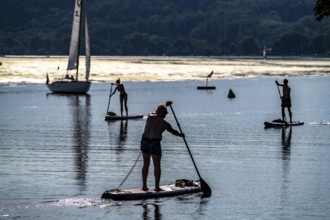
279, 123
174, 189
205, 87
117, 117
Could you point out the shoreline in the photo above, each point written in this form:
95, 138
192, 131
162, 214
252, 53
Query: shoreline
231, 57
141, 69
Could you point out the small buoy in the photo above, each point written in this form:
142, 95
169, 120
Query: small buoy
231, 94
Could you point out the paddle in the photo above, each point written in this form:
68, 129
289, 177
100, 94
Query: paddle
278, 89
205, 187
109, 98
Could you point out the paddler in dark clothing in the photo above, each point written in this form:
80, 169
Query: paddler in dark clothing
150, 143
286, 99
122, 96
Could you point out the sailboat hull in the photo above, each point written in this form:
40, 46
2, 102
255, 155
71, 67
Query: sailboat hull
78, 87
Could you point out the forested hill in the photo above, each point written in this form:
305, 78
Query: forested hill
166, 27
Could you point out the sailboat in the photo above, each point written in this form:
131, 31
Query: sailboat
265, 51
70, 84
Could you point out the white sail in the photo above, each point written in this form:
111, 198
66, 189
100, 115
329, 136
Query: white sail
74, 44
88, 52
264, 52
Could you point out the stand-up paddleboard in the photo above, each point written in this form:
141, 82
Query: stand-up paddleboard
206, 87
117, 117
280, 124
180, 187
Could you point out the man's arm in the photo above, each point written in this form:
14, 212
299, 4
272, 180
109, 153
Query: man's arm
173, 131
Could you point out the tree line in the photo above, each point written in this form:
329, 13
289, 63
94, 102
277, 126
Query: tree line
166, 27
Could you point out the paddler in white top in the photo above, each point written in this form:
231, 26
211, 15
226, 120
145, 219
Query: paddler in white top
150, 143
286, 98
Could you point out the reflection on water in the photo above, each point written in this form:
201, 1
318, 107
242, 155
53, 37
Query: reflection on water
286, 143
80, 106
286, 152
151, 211
123, 132
121, 138
80, 113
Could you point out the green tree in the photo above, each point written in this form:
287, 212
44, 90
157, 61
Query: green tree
290, 44
316, 45
321, 9
172, 27
249, 46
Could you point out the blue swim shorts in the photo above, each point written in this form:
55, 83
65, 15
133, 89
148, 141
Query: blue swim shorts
151, 146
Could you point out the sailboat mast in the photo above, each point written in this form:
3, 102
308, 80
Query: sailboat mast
81, 14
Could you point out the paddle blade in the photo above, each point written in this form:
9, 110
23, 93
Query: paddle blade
206, 189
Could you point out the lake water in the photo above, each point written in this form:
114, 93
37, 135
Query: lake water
58, 155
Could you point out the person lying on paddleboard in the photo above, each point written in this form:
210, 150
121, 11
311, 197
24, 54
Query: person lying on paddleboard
122, 96
286, 98
150, 143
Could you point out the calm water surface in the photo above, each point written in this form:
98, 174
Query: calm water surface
58, 155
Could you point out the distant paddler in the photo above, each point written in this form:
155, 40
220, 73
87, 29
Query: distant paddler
286, 98
122, 96
206, 85
209, 76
